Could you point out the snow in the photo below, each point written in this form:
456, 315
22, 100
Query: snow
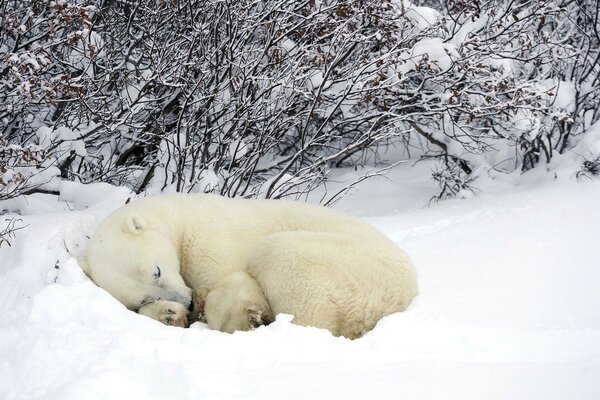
421, 17
432, 49
508, 308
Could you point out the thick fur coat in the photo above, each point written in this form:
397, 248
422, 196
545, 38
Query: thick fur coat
237, 263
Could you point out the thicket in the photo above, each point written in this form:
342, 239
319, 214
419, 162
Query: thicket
264, 98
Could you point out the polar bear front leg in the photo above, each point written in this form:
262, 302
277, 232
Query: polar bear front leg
167, 312
237, 304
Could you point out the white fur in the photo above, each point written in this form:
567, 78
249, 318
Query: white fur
247, 260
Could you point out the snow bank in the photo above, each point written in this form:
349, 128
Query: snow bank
508, 309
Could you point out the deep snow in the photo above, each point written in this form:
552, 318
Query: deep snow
509, 308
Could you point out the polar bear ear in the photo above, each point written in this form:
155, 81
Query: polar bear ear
134, 224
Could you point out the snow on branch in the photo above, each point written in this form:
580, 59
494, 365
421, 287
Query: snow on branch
253, 98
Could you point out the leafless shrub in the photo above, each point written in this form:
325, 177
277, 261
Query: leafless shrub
589, 169
7, 233
254, 98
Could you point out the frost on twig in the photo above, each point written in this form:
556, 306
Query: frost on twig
253, 98
7, 232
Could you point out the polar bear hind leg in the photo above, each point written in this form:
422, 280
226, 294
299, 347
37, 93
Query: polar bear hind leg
339, 282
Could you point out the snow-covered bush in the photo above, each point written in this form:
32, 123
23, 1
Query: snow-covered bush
19, 168
523, 84
263, 98
244, 98
40, 42
589, 169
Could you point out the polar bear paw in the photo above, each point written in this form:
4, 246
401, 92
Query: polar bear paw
168, 312
258, 316
231, 317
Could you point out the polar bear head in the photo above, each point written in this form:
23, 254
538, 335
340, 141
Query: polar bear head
135, 262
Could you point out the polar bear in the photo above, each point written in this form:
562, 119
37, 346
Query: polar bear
236, 263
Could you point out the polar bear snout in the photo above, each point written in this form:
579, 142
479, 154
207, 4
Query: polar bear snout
175, 296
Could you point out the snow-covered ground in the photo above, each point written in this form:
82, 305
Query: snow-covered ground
509, 308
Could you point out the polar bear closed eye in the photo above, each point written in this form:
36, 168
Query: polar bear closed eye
244, 261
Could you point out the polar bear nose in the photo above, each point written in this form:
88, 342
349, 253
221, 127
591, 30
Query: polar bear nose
190, 306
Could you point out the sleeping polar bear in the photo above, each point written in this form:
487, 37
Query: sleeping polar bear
237, 263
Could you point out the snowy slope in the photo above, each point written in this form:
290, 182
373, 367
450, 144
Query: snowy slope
509, 308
